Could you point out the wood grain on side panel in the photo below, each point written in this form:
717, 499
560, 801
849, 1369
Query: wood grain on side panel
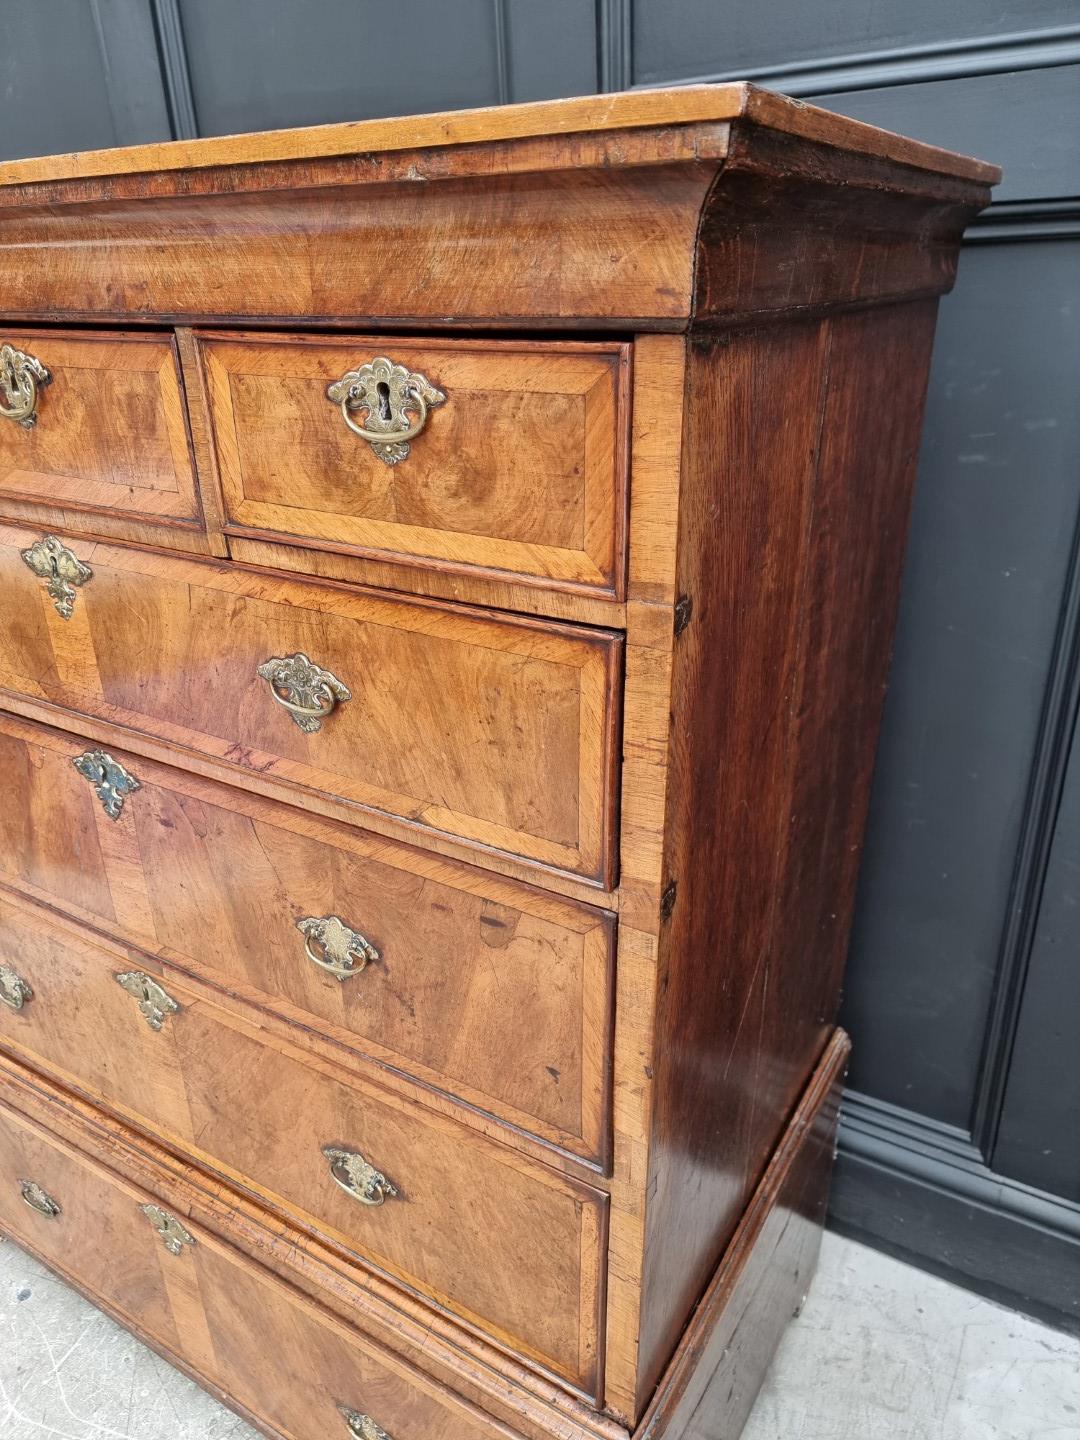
710, 1386
793, 521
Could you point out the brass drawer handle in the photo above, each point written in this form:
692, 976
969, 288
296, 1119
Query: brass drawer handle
14, 991
110, 780
307, 691
173, 1235
155, 1003
362, 1427
357, 1178
345, 952
38, 1199
387, 392
21, 376
61, 569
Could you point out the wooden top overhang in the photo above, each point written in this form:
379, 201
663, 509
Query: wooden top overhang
606, 212
693, 105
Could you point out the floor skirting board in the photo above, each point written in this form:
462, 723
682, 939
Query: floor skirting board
920, 1190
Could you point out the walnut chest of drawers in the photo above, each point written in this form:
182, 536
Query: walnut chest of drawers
447, 575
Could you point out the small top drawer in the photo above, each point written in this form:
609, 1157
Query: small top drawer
93, 426
514, 460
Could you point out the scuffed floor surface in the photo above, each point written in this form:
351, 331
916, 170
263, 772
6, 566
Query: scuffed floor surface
881, 1352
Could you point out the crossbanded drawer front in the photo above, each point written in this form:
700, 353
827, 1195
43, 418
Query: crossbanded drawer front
292, 1365
514, 462
497, 731
510, 1246
487, 989
100, 427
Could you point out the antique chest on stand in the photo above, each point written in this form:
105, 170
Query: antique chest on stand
447, 575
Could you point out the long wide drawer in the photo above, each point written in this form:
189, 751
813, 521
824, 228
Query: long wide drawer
510, 1246
289, 1363
493, 991
495, 730
517, 466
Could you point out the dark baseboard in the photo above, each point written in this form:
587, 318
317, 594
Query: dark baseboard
921, 1191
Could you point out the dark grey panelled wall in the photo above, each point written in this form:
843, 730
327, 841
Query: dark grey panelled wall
960, 1144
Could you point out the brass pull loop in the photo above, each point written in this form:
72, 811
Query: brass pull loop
21, 375
357, 1178
155, 1003
308, 692
345, 952
14, 991
61, 569
362, 1427
38, 1199
388, 393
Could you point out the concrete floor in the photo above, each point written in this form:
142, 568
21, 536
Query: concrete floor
880, 1352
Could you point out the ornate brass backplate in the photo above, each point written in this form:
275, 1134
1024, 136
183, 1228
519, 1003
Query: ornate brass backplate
388, 393
173, 1235
155, 1003
21, 377
38, 1199
109, 779
362, 1427
61, 569
356, 1177
345, 952
14, 991
307, 691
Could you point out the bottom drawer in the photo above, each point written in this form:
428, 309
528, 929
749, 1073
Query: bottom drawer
296, 1369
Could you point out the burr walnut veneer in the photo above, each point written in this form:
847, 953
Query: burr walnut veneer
447, 574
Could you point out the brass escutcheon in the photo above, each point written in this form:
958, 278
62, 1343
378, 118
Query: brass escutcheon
362, 1427
345, 952
61, 569
110, 780
356, 1177
155, 1003
307, 691
21, 376
14, 991
173, 1235
387, 393
39, 1199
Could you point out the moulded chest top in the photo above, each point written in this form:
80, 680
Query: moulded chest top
653, 209
634, 110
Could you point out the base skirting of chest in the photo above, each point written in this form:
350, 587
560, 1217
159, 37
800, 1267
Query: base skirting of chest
253, 1312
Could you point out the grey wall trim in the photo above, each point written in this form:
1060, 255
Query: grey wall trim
943, 1156
1056, 729
175, 74
948, 60
614, 45
1026, 220
134, 89
502, 51
920, 1189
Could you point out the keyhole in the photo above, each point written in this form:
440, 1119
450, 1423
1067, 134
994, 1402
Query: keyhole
383, 390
